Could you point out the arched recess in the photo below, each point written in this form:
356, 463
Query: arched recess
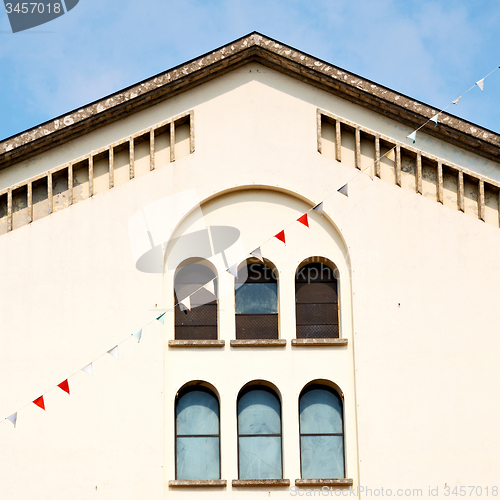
316, 299
256, 300
196, 319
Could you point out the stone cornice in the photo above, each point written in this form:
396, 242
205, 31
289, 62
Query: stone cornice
258, 48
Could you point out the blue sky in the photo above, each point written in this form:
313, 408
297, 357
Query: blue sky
432, 51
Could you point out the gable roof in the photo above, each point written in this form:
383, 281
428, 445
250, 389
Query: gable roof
250, 48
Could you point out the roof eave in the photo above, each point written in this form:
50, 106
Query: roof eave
253, 47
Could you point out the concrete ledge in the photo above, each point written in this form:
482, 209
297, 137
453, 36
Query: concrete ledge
261, 482
196, 343
323, 482
319, 342
258, 343
197, 483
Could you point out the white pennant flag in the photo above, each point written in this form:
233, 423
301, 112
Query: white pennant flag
186, 303
233, 270
114, 352
257, 254
480, 84
138, 335
412, 136
88, 369
161, 318
209, 287
319, 208
435, 119
343, 190
13, 418
457, 100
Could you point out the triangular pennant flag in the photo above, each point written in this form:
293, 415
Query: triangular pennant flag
210, 287
40, 402
138, 335
435, 119
13, 418
281, 236
412, 136
368, 172
64, 386
233, 270
88, 369
480, 84
319, 208
257, 254
186, 303
457, 100
343, 190
304, 220
114, 352
161, 318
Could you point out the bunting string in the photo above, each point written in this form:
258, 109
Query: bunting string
233, 270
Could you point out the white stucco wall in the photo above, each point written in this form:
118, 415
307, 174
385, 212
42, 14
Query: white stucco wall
421, 360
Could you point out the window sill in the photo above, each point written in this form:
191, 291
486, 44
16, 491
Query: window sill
258, 343
261, 482
323, 482
319, 342
196, 343
197, 483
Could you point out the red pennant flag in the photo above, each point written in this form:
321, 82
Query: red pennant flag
281, 236
64, 386
304, 220
39, 402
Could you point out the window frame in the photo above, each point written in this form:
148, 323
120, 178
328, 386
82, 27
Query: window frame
275, 276
177, 308
190, 387
245, 390
329, 387
334, 270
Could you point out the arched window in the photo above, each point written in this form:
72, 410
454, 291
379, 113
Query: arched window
199, 323
259, 434
256, 302
316, 302
197, 434
321, 433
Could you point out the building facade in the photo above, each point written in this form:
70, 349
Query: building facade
354, 354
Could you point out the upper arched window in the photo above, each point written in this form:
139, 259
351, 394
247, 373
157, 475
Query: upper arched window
256, 303
321, 433
199, 323
259, 434
197, 434
316, 302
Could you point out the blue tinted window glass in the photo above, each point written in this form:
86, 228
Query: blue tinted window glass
260, 457
320, 412
256, 298
259, 413
197, 458
322, 457
197, 413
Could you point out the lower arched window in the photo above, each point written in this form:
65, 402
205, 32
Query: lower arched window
197, 434
321, 433
259, 434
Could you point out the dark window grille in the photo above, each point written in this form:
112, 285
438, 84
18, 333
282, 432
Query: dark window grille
200, 323
316, 302
256, 303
